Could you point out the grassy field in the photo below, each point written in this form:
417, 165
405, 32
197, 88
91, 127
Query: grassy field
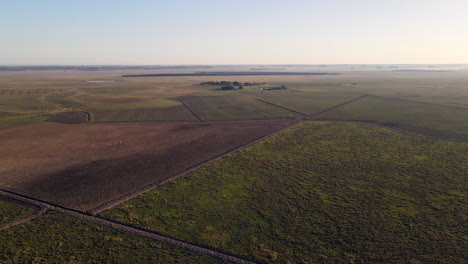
233, 107
422, 118
175, 113
321, 192
12, 210
57, 238
82, 166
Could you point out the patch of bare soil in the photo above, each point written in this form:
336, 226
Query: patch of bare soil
82, 166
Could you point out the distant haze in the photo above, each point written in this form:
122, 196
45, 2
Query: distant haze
233, 32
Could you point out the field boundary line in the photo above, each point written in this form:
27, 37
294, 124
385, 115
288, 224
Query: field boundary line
339, 105
282, 107
41, 210
414, 101
108, 205
188, 108
89, 116
127, 228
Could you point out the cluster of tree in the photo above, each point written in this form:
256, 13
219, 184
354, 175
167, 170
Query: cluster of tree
235, 83
230, 87
282, 87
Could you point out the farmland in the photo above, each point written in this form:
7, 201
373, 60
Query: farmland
321, 192
58, 238
233, 107
375, 174
123, 157
175, 113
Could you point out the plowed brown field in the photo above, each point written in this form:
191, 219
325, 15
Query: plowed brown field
83, 166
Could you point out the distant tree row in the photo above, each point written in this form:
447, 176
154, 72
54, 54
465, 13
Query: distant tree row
282, 87
235, 83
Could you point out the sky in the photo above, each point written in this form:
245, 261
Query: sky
153, 32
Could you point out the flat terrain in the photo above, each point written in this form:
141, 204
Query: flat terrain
12, 210
58, 238
347, 190
321, 192
82, 166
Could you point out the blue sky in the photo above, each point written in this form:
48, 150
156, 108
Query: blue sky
233, 32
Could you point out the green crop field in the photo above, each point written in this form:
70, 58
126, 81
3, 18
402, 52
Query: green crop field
421, 118
321, 192
233, 107
58, 238
175, 113
11, 210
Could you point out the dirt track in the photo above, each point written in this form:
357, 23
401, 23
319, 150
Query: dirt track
188, 108
41, 210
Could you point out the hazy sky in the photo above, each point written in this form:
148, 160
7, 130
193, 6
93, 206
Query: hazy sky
233, 32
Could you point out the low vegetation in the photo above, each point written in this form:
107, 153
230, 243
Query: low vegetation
321, 192
11, 210
58, 238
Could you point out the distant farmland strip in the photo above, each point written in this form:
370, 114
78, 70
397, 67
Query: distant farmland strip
282, 107
306, 102
227, 74
234, 108
175, 113
336, 106
188, 108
